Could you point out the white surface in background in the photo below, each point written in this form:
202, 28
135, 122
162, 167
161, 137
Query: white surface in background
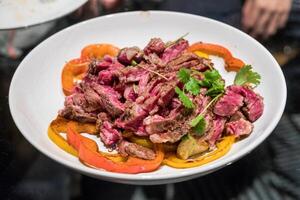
23, 13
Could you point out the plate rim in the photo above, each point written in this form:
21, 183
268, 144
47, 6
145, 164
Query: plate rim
144, 176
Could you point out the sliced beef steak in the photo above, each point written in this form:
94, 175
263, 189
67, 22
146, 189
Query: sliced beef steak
157, 124
216, 130
169, 136
109, 99
132, 117
127, 55
109, 135
74, 109
127, 148
240, 127
228, 104
174, 50
254, 105
156, 45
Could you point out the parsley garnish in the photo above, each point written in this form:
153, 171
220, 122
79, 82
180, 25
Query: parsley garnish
183, 75
214, 82
247, 76
192, 86
184, 99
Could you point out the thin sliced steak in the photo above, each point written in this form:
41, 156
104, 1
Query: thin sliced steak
215, 132
129, 54
132, 118
169, 136
109, 135
74, 109
254, 105
109, 99
228, 104
174, 50
129, 93
156, 45
157, 124
240, 127
127, 148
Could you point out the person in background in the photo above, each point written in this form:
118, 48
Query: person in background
259, 18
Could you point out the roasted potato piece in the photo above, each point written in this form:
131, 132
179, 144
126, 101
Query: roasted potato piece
190, 146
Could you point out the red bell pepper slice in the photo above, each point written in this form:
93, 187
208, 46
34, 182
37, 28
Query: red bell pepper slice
88, 153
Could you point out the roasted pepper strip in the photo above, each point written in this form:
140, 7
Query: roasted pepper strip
54, 135
59, 125
97, 51
232, 63
88, 153
73, 71
222, 148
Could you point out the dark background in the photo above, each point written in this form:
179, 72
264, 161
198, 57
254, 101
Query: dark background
271, 171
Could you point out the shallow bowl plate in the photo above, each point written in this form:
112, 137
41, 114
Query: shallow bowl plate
35, 93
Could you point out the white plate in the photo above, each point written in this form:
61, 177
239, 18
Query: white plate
35, 93
24, 13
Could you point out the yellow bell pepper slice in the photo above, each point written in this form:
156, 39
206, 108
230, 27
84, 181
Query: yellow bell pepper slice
61, 142
60, 125
222, 148
201, 54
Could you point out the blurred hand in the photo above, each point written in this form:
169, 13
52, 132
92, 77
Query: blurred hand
91, 8
263, 18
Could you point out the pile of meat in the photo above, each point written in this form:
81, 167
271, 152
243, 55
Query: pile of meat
135, 92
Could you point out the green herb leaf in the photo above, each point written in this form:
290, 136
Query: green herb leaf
247, 76
216, 88
214, 82
183, 75
198, 124
192, 86
196, 120
212, 75
184, 99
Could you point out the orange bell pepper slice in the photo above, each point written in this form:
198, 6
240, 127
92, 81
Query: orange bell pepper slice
97, 51
232, 63
73, 71
59, 125
56, 138
88, 154
222, 148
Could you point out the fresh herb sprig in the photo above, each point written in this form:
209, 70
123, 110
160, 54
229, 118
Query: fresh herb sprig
212, 80
246, 76
184, 98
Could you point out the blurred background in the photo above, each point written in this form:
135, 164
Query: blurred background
271, 171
